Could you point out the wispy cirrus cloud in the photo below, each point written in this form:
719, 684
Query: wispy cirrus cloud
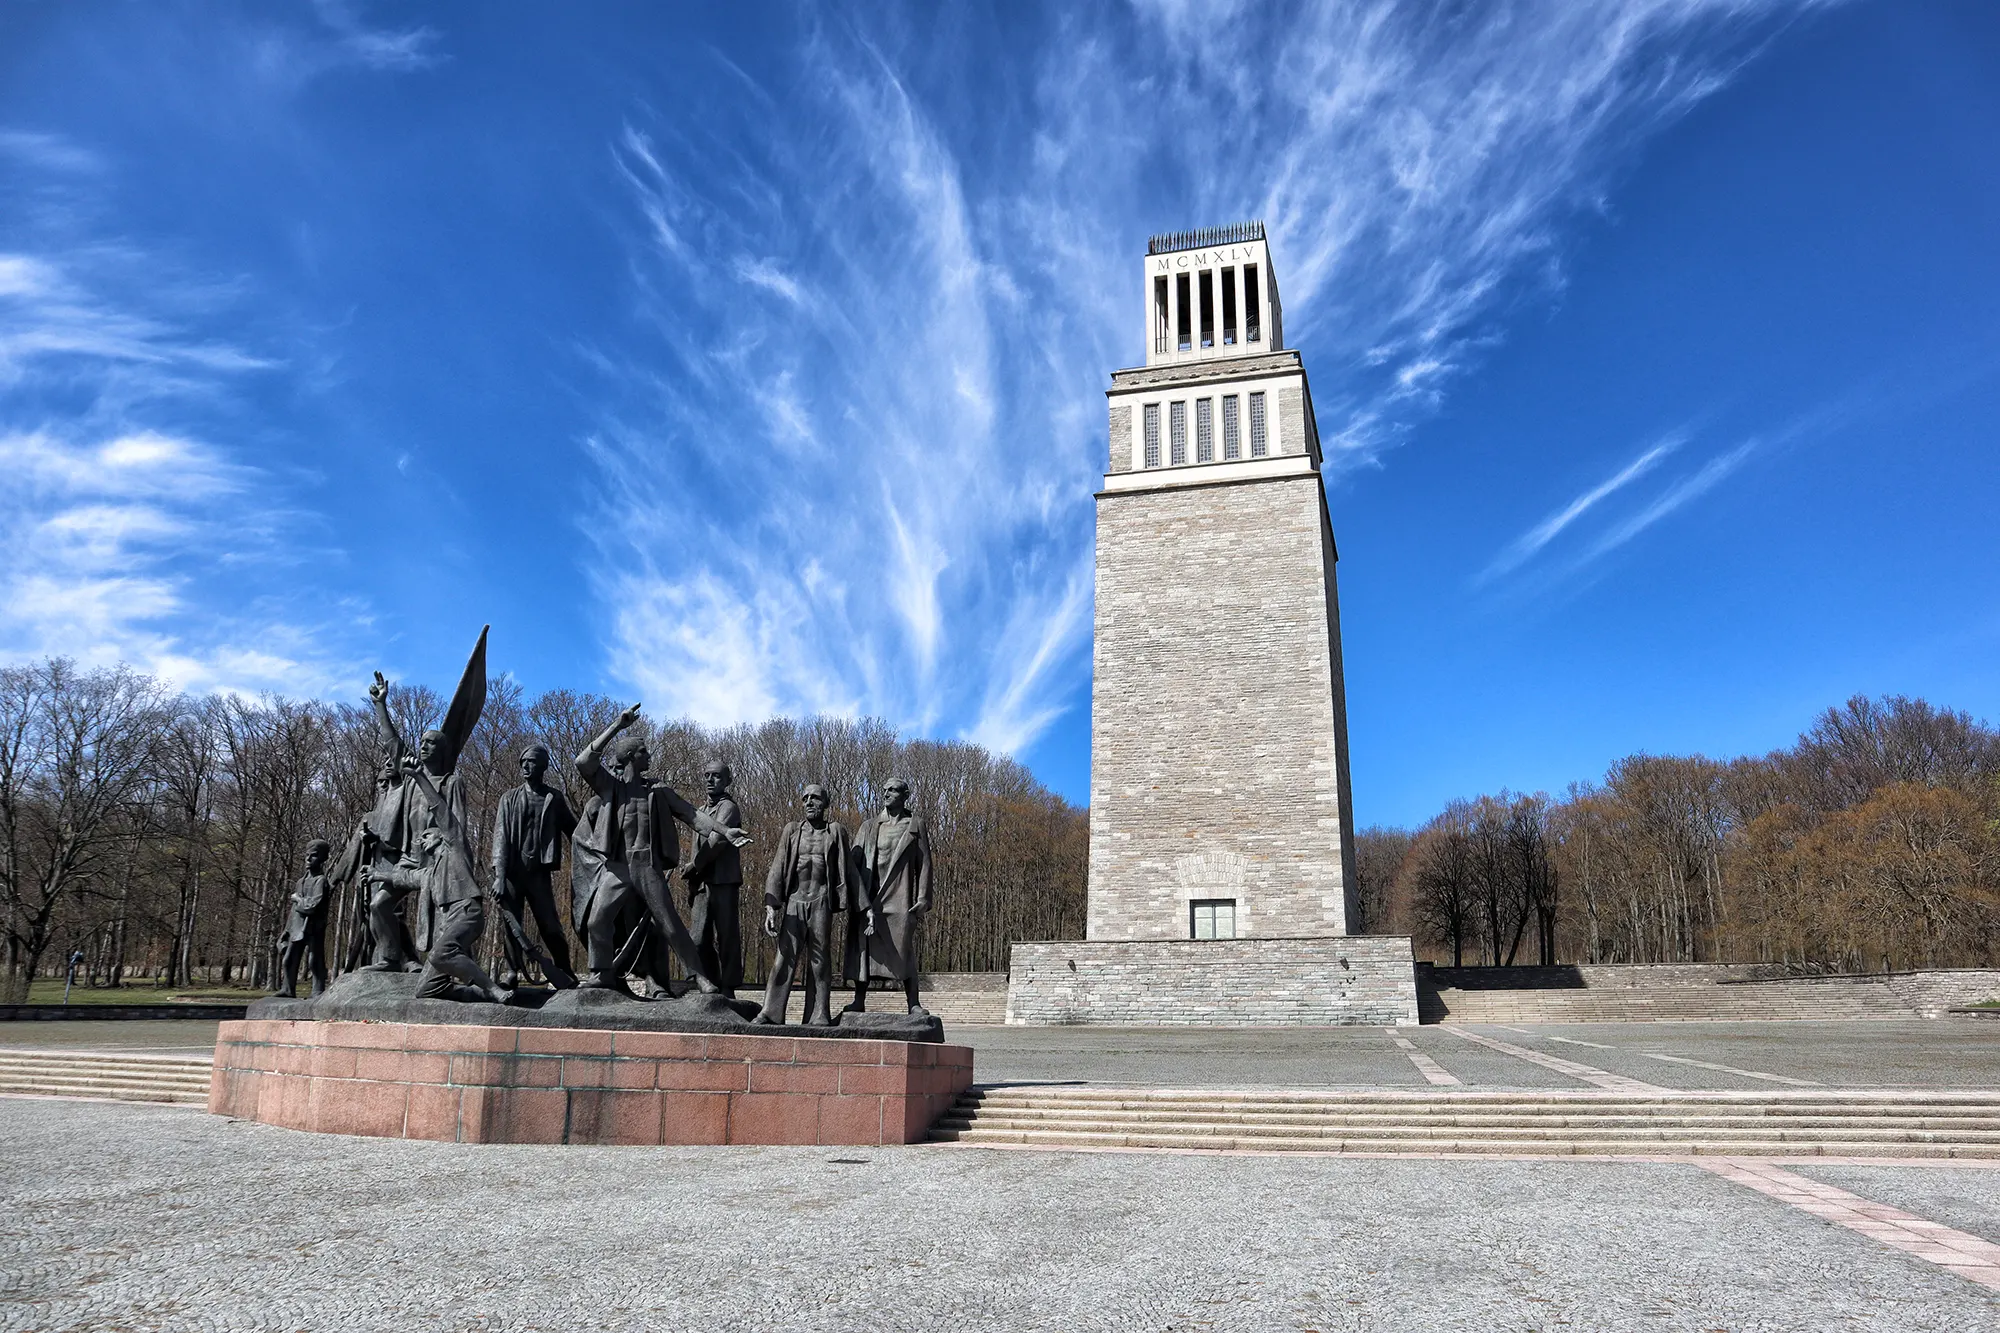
1695, 484
132, 529
1617, 529
1529, 543
851, 466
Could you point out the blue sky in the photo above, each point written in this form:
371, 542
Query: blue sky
749, 359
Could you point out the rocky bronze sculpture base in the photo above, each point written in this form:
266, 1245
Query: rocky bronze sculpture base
391, 997
468, 1082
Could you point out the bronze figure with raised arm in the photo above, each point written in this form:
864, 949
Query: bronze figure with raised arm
405, 810
620, 859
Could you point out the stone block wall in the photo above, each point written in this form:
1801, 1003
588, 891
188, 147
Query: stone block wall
1218, 765
1121, 438
1360, 979
473, 1084
1933, 993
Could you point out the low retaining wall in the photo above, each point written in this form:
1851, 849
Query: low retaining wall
1621, 992
1933, 994
1356, 979
468, 1084
116, 1013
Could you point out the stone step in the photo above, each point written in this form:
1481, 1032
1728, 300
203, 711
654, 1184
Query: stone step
1415, 1103
33, 1055
109, 1075
101, 1092
1896, 1122
1983, 1123
1489, 1147
119, 1073
1630, 1131
174, 1080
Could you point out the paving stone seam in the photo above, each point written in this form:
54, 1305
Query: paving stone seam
1975, 1259
1434, 1073
1729, 1069
1603, 1078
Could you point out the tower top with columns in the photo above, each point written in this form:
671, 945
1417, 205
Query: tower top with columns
1210, 293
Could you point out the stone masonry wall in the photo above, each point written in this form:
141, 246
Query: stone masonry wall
1360, 979
1121, 437
1216, 731
1933, 993
1291, 407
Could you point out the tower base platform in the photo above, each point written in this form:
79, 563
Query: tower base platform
1340, 980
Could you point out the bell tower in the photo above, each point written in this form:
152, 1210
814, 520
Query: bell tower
1219, 801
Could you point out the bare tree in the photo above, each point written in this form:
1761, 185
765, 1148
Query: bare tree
1444, 890
78, 748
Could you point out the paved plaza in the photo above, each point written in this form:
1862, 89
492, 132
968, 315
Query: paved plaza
1918, 1053
133, 1217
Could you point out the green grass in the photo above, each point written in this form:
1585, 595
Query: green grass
50, 991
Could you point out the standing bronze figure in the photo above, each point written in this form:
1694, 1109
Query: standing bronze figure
531, 825
810, 880
305, 929
385, 938
893, 891
619, 862
714, 876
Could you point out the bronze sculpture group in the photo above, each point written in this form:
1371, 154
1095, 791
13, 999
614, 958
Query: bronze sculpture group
623, 847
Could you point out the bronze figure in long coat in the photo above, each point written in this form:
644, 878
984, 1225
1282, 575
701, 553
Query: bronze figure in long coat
892, 855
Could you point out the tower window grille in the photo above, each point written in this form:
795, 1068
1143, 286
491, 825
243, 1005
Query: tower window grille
1204, 430
1152, 434
1232, 437
1259, 445
1176, 433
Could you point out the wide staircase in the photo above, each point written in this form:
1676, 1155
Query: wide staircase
1783, 1124
180, 1080
1644, 994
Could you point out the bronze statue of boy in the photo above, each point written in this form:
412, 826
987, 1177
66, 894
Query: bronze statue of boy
305, 926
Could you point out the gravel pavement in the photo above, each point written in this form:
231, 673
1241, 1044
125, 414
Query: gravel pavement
124, 1217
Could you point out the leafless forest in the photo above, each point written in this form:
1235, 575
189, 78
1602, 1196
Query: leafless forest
1871, 844
161, 834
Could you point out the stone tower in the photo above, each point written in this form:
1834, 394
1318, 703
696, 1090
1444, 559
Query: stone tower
1219, 803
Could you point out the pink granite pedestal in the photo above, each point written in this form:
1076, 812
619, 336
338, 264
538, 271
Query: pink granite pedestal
468, 1084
